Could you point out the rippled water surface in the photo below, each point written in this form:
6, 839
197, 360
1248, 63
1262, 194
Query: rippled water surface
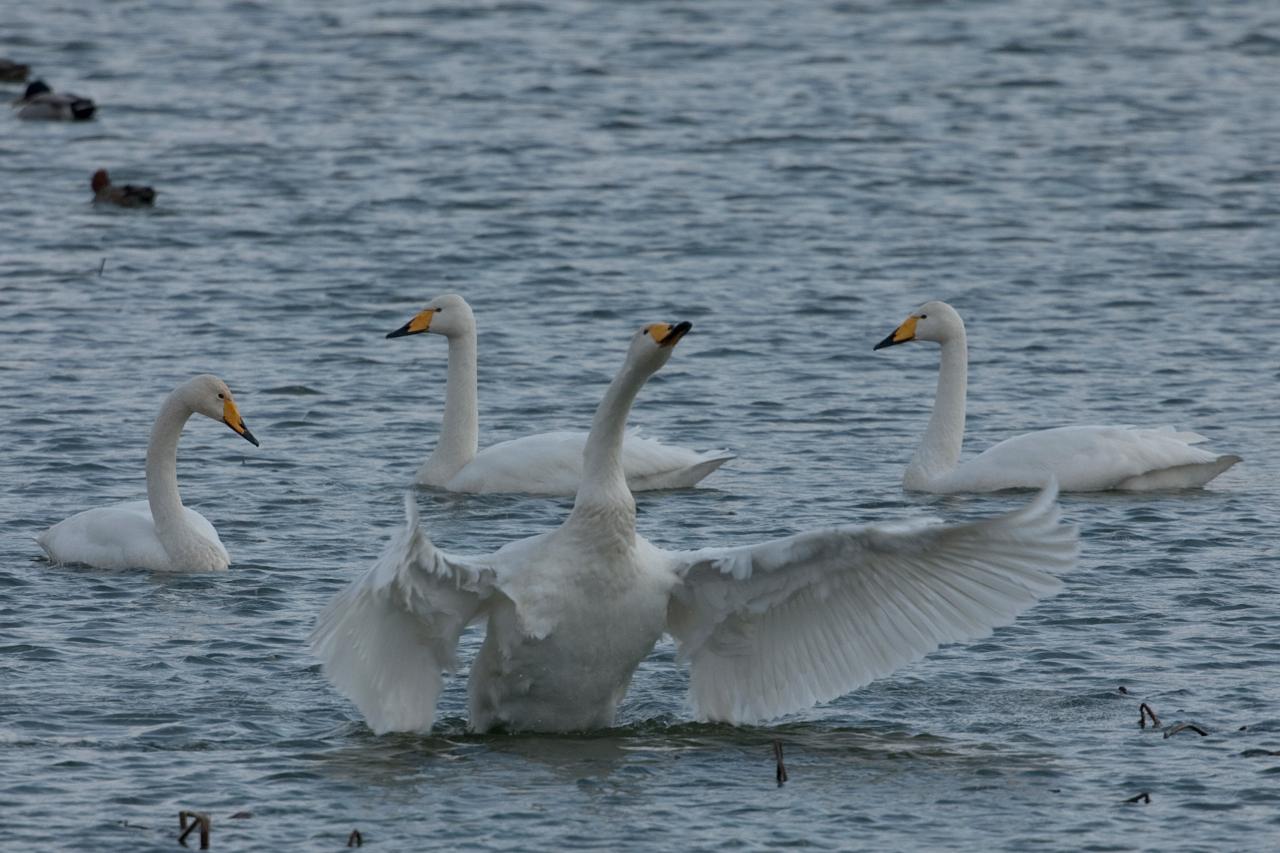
1096, 187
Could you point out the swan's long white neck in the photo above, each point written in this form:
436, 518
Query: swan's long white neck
939, 450
604, 505
162, 474
460, 429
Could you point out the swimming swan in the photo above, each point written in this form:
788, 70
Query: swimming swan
548, 463
767, 629
1082, 458
159, 533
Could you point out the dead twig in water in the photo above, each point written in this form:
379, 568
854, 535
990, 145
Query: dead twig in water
102, 266
199, 819
782, 768
1173, 730
1144, 797
355, 839
1143, 710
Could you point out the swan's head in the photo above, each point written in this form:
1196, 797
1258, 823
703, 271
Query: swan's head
652, 345
932, 321
447, 315
209, 396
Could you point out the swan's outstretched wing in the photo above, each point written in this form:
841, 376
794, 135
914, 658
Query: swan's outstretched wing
387, 637
776, 627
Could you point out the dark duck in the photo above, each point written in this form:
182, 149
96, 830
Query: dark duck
128, 195
40, 102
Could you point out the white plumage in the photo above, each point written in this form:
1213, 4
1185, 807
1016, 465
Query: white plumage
159, 533
545, 464
774, 628
550, 463
767, 629
1081, 458
386, 639
124, 536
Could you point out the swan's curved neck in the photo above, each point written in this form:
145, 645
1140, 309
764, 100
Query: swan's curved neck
604, 503
162, 472
939, 451
460, 430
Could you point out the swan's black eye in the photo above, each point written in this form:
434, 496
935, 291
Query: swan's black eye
924, 316
221, 397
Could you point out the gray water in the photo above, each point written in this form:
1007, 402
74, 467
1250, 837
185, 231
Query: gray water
1094, 186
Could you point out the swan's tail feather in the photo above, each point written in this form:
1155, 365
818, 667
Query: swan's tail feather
1180, 476
682, 478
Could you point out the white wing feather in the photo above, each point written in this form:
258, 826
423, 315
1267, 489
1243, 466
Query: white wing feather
777, 627
386, 638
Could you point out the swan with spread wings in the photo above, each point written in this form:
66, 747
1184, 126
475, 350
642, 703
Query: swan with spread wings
766, 629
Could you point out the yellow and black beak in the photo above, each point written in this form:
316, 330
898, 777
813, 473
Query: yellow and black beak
667, 335
902, 334
419, 324
231, 417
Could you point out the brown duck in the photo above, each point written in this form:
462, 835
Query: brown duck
13, 72
125, 196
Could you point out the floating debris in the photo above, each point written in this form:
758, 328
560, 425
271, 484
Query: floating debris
782, 768
1173, 730
1143, 710
199, 819
1144, 797
355, 839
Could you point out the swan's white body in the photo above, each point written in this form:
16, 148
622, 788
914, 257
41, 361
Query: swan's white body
767, 629
545, 464
123, 536
550, 463
1081, 458
159, 533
